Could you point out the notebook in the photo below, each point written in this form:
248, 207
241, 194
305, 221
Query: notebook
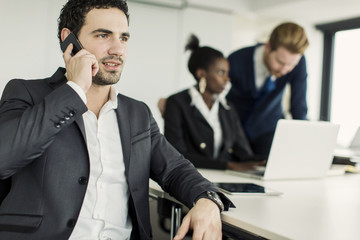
300, 149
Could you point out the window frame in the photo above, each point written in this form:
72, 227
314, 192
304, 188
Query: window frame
329, 30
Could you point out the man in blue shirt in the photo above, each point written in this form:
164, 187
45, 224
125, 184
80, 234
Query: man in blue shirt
259, 75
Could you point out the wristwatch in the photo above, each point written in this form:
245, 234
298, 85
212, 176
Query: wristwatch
213, 196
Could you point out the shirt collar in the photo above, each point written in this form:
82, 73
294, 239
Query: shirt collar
260, 66
113, 97
221, 98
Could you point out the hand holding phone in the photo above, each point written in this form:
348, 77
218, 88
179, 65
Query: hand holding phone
71, 38
80, 67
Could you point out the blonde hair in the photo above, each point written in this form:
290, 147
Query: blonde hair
290, 36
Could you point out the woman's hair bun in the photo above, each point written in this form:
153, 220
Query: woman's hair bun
193, 43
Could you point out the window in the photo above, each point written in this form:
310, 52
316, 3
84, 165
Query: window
341, 78
345, 100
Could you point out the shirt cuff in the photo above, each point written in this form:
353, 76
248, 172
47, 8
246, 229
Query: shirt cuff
78, 90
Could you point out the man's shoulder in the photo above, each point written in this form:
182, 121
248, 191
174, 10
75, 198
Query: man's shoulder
243, 52
129, 100
300, 68
58, 76
131, 104
21, 87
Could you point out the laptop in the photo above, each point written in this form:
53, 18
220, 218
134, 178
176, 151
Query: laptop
353, 150
300, 149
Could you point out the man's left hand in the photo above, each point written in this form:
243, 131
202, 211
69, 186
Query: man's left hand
204, 219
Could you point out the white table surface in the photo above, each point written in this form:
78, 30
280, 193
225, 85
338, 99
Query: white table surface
327, 208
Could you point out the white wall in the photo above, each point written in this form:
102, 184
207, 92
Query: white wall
29, 46
156, 65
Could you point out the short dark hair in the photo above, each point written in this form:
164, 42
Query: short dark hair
72, 15
201, 57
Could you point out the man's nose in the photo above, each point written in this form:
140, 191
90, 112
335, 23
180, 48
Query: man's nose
117, 47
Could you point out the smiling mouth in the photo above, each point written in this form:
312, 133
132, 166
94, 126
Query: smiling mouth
112, 64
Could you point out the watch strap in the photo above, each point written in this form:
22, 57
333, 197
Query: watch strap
213, 196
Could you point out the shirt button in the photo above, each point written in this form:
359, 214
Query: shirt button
57, 125
83, 180
71, 113
71, 223
62, 121
67, 117
202, 145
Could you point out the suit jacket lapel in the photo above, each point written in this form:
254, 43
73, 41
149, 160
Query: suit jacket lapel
186, 100
125, 133
225, 125
197, 115
80, 123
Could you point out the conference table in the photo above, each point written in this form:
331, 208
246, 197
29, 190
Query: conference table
326, 208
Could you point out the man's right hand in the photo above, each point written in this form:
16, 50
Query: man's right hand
81, 67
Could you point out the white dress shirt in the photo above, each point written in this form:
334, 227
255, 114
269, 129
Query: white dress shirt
211, 115
104, 213
261, 71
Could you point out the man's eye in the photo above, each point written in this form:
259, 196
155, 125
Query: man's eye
281, 63
102, 35
124, 39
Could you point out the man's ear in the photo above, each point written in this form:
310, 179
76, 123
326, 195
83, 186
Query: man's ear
267, 47
64, 33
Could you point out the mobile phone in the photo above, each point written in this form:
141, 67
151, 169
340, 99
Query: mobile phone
71, 38
245, 189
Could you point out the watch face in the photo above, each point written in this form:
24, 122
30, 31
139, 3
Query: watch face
215, 197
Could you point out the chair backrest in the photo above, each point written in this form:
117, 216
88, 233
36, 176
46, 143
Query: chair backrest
161, 105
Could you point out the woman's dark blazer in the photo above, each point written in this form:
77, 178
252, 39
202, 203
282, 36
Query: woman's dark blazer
189, 132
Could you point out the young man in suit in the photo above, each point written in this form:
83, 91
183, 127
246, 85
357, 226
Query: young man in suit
259, 75
79, 155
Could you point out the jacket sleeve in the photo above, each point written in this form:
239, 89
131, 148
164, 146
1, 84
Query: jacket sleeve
175, 129
298, 105
28, 126
175, 174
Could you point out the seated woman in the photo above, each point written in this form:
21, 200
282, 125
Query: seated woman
200, 123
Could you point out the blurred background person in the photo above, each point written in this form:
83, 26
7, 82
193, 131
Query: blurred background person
200, 123
259, 75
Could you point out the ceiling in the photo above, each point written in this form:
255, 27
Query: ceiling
314, 11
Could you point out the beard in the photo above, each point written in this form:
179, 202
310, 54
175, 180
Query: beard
108, 78
103, 78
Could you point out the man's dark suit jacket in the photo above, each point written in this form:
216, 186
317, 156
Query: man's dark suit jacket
43, 152
189, 132
260, 115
